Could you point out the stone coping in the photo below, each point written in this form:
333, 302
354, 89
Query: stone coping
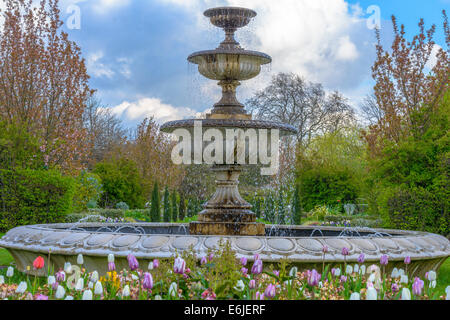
58, 239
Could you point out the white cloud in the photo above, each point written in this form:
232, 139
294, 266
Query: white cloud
433, 57
124, 66
346, 49
97, 68
103, 6
148, 107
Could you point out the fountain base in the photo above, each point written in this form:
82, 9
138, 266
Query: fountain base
227, 228
227, 213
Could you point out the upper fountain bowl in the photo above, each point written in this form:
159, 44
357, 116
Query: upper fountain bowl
223, 64
230, 17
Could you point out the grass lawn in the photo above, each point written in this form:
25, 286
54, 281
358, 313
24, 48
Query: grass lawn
5, 257
443, 279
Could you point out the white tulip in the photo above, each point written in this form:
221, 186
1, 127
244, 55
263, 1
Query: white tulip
394, 273
355, 296
401, 272
406, 294
110, 257
337, 272
69, 298
2, 280
80, 259
94, 276
371, 294
80, 284
67, 267
126, 291
173, 289
349, 269
10, 272
98, 290
22, 287
293, 272
51, 280
60, 292
433, 284
87, 295
362, 269
404, 279
150, 265
356, 268
240, 286
431, 275
447, 292
90, 285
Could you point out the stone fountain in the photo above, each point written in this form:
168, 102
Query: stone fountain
226, 216
227, 213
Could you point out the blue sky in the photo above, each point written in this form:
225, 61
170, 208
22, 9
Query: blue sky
136, 50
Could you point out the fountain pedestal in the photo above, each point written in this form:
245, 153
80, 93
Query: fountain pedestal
227, 213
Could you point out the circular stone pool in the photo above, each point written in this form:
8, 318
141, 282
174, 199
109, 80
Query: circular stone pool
147, 241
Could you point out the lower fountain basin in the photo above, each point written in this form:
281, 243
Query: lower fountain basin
147, 241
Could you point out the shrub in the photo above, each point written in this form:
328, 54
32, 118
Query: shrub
122, 205
319, 213
139, 215
34, 197
92, 204
89, 191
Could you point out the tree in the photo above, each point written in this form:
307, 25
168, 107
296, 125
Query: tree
174, 208
155, 210
151, 146
167, 211
19, 148
413, 177
304, 105
404, 85
121, 183
43, 81
104, 130
182, 207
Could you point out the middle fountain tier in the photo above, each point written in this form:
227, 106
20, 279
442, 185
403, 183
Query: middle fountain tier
227, 213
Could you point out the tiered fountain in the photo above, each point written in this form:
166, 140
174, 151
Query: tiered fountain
226, 216
227, 213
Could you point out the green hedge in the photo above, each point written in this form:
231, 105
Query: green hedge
418, 209
319, 186
34, 197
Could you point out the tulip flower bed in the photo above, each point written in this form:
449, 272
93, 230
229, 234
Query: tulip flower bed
218, 275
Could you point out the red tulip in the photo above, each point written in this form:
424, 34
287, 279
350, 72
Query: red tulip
38, 263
